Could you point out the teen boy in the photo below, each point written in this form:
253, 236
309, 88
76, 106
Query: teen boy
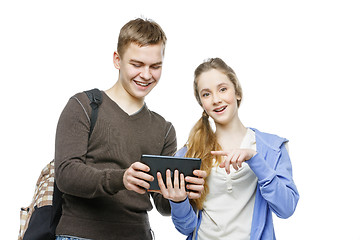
103, 183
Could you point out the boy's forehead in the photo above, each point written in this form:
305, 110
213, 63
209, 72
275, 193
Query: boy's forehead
153, 53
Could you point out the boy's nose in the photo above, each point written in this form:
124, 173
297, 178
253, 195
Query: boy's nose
146, 74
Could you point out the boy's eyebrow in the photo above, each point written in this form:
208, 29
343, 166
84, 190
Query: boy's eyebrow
140, 62
157, 63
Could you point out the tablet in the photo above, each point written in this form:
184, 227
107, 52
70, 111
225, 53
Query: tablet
160, 164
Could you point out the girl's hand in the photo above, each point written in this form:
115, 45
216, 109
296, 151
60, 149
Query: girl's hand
176, 193
234, 157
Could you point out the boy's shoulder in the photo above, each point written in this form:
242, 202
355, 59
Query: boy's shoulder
157, 116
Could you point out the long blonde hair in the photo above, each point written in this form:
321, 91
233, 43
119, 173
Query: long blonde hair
202, 139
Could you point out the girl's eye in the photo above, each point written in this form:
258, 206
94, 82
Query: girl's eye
205, 94
223, 89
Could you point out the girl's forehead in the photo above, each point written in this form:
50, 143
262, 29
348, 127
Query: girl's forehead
212, 78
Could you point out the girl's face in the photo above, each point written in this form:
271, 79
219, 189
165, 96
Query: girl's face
218, 97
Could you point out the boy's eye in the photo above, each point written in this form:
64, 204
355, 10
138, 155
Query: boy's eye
156, 67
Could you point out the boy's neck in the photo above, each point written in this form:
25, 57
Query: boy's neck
124, 100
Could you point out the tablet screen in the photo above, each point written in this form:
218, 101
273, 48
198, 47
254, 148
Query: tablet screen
162, 163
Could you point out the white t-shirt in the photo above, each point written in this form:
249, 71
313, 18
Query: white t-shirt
229, 205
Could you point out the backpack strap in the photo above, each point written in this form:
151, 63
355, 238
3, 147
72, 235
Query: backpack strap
95, 97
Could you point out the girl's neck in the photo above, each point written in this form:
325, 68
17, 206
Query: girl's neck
231, 135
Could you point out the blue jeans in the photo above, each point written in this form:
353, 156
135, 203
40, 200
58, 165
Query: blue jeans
70, 238
77, 238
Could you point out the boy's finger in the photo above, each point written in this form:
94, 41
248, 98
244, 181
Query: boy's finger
200, 173
195, 180
140, 166
194, 195
143, 176
195, 188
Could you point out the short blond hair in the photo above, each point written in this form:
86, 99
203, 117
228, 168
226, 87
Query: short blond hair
142, 32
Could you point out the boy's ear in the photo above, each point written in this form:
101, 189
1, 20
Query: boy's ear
116, 60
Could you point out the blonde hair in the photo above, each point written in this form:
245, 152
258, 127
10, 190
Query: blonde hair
202, 139
142, 32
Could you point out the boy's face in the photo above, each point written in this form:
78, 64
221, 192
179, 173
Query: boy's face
140, 68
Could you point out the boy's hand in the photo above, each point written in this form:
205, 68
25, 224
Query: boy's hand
196, 184
136, 179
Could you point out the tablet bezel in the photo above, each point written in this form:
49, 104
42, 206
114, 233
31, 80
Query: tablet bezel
158, 163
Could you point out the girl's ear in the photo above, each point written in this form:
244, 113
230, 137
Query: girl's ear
116, 60
238, 97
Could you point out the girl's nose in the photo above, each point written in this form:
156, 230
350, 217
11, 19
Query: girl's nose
216, 99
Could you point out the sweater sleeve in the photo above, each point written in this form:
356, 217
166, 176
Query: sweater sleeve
276, 185
72, 175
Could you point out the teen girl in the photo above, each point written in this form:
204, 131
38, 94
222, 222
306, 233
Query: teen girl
249, 172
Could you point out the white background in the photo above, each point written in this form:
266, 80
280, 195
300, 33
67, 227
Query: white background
298, 63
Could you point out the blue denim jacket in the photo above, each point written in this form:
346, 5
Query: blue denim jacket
276, 191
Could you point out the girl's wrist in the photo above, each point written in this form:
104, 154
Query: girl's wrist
179, 201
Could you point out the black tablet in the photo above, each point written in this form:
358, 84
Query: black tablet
162, 163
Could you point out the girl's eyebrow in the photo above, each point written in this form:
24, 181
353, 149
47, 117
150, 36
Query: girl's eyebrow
222, 84
218, 86
204, 89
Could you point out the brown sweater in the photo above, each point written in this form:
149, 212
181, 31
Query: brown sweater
90, 172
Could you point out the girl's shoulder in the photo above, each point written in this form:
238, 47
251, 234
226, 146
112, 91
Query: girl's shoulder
181, 152
270, 140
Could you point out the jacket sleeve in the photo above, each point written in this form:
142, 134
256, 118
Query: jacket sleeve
276, 184
183, 217
170, 145
182, 214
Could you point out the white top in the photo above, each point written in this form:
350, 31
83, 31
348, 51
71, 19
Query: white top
229, 205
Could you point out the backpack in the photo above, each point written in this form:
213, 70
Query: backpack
38, 221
